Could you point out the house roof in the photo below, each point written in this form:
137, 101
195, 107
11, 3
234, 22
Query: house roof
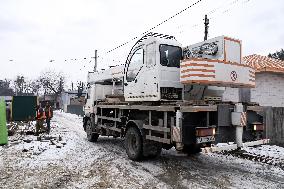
264, 63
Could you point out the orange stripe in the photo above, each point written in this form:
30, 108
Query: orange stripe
213, 60
196, 64
197, 70
216, 82
231, 39
197, 75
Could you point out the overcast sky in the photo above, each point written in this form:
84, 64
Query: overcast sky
33, 32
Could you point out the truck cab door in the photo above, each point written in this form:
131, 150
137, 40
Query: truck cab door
133, 84
151, 81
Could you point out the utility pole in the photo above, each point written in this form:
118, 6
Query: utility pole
96, 59
206, 24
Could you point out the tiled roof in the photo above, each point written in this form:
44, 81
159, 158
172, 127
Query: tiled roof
264, 63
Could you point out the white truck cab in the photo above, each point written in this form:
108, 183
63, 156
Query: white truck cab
153, 69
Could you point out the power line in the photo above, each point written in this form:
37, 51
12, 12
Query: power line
155, 26
213, 11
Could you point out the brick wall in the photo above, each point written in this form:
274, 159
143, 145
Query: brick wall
231, 94
269, 90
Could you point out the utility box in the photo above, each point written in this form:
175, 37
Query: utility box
23, 108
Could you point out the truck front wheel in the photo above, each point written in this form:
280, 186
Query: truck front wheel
92, 137
133, 144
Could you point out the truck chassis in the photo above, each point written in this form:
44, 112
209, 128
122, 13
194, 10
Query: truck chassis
147, 128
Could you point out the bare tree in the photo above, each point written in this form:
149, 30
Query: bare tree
19, 85
80, 87
52, 82
5, 88
32, 87
25, 86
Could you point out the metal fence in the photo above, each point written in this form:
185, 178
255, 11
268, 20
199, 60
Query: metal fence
274, 121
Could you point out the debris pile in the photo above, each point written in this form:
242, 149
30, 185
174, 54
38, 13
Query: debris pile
22, 128
23, 133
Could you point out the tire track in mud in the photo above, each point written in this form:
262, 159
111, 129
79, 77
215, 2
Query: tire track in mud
114, 158
187, 172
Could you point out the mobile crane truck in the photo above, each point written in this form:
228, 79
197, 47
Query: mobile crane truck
166, 95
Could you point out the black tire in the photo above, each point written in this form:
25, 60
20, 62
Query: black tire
192, 149
151, 149
134, 144
92, 137
155, 153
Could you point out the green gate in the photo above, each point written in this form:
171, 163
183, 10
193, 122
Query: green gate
23, 108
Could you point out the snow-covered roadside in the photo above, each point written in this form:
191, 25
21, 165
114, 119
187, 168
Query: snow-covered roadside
81, 164
268, 150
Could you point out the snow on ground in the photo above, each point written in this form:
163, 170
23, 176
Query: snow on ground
267, 150
82, 164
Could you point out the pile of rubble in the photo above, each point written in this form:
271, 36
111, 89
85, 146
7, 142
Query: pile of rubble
24, 133
22, 128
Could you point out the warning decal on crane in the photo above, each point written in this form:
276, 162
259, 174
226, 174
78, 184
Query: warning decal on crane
234, 75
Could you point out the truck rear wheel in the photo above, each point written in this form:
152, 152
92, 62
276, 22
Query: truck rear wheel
134, 144
156, 153
192, 149
151, 149
92, 137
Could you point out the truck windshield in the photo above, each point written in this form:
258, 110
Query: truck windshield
170, 56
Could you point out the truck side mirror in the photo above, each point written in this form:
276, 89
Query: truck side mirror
125, 84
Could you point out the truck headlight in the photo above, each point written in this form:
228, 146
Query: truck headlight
254, 127
214, 131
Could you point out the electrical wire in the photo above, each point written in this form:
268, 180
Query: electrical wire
168, 19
